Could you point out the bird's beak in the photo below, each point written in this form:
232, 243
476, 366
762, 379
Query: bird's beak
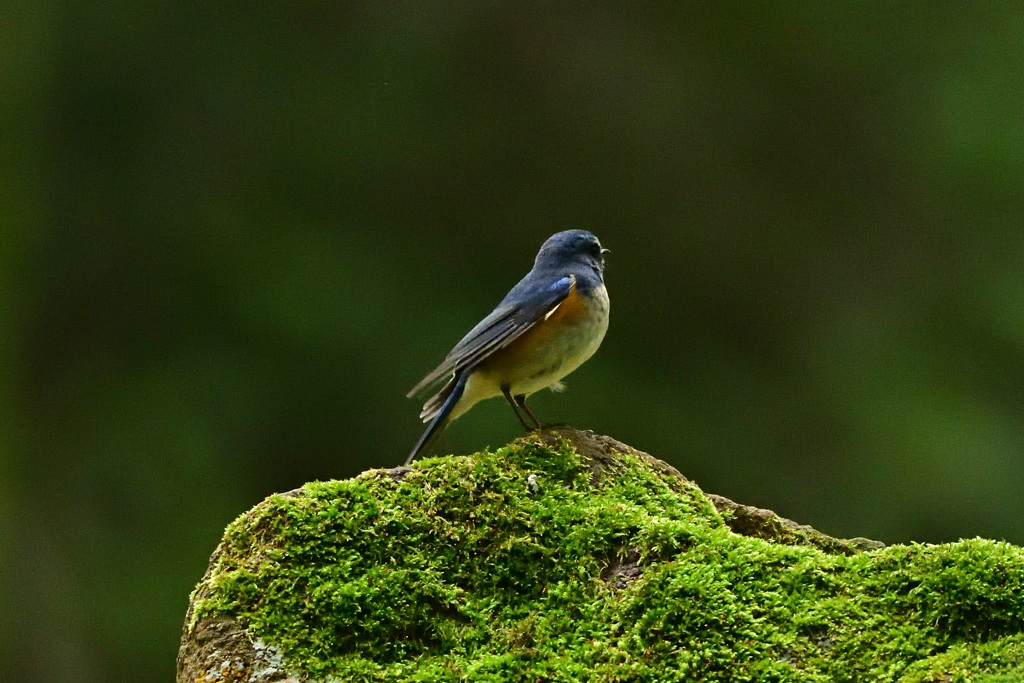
605, 251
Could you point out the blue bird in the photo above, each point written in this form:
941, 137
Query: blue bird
544, 328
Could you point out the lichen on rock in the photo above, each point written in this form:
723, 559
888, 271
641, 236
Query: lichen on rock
571, 557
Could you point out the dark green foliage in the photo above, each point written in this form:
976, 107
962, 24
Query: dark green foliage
457, 570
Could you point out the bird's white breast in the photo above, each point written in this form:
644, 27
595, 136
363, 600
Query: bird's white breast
567, 349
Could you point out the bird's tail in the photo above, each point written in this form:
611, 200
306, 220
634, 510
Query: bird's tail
441, 418
434, 404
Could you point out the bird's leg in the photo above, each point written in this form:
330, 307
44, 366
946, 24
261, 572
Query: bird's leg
515, 406
521, 400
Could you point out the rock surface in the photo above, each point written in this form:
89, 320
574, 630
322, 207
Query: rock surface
569, 557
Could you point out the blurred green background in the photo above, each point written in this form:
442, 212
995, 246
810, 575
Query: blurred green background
235, 234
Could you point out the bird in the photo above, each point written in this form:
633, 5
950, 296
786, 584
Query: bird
548, 325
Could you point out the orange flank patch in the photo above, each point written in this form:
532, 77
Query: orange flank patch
521, 352
569, 310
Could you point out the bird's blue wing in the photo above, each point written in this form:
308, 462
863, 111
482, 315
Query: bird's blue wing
522, 308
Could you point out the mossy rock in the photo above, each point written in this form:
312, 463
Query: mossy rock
570, 557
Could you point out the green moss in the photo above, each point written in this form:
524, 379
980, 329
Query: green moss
463, 570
